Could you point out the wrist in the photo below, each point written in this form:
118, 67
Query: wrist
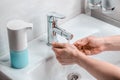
79, 58
107, 43
101, 43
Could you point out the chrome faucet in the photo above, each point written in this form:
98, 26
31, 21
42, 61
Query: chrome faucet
53, 28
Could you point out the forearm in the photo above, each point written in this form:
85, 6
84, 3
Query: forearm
112, 43
99, 69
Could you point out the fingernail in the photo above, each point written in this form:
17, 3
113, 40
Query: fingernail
53, 43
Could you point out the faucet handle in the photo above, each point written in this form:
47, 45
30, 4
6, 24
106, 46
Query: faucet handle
55, 15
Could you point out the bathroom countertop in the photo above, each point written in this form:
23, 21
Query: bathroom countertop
81, 26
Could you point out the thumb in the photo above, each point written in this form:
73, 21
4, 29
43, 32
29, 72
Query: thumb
57, 51
81, 42
58, 45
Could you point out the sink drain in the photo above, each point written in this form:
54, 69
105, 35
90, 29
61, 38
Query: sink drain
73, 76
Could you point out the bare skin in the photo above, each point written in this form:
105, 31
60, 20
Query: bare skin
91, 45
72, 54
94, 45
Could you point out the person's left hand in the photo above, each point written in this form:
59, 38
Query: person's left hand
66, 53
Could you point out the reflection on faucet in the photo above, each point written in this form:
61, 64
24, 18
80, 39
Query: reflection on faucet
53, 29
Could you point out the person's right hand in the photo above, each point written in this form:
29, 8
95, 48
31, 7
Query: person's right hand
90, 45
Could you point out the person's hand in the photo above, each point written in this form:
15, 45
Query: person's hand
66, 53
90, 45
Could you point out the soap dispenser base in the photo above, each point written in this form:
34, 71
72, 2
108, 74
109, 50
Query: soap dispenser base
19, 59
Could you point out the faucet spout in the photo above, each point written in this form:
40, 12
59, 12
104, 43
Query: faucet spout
63, 33
53, 28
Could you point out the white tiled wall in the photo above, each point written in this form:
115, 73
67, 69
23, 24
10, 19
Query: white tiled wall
33, 11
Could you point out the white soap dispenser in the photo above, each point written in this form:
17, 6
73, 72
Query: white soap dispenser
18, 42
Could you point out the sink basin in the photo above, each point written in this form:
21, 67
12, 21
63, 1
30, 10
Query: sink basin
43, 64
50, 69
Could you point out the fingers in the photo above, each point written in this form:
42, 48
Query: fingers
58, 45
57, 51
84, 46
80, 43
59, 57
84, 41
92, 51
87, 52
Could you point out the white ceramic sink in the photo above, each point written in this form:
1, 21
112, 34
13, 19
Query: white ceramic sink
50, 69
43, 64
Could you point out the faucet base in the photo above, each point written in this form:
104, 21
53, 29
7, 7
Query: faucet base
49, 44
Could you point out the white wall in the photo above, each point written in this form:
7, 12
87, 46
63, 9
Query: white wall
33, 11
